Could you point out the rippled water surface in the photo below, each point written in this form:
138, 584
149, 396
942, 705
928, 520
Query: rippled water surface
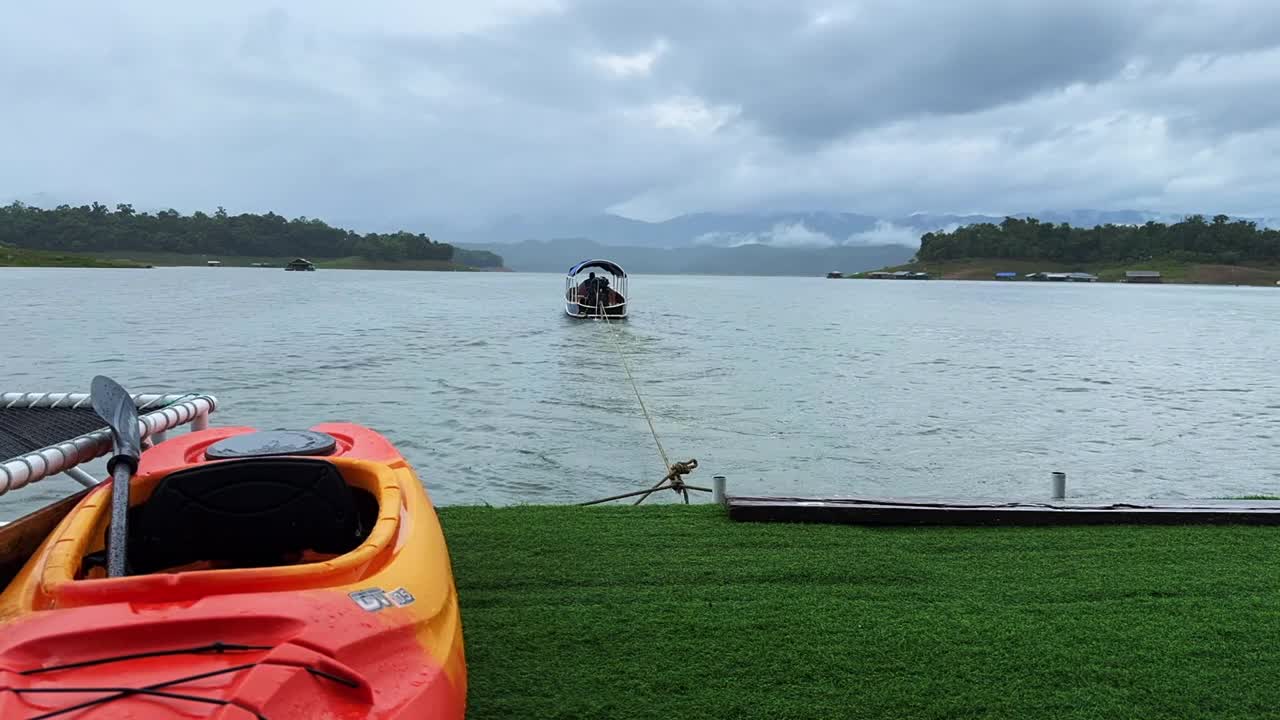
785, 385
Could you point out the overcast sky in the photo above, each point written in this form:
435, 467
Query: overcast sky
459, 110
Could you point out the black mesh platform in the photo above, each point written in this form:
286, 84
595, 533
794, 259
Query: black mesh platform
23, 430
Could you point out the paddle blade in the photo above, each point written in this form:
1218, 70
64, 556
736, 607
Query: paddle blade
113, 404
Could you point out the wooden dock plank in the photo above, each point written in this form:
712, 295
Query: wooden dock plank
932, 511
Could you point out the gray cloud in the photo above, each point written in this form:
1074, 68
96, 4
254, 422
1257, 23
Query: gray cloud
396, 112
892, 60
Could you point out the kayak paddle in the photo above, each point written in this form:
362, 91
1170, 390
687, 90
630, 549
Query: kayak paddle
113, 404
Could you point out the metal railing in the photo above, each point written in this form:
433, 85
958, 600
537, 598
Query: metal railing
618, 284
172, 410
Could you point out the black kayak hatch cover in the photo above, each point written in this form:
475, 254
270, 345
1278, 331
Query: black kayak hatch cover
269, 443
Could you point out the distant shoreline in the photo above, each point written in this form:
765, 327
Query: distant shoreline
25, 258
22, 257
76, 236
1171, 272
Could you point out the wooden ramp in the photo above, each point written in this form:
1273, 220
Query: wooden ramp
933, 511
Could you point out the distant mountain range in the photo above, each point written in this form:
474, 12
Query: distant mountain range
559, 255
776, 229
793, 243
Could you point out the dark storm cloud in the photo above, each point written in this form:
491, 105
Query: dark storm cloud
817, 72
803, 70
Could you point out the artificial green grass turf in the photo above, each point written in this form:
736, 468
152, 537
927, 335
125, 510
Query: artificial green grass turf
668, 611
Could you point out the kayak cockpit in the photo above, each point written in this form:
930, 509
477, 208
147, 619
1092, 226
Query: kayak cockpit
230, 526
252, 512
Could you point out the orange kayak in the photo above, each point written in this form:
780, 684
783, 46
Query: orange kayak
271, 575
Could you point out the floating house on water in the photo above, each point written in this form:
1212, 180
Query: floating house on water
1142, 276
898, 275
300, 264
1063, 276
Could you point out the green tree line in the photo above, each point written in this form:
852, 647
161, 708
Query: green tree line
97, 228
1194, 239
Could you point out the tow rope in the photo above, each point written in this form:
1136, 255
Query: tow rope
674, 479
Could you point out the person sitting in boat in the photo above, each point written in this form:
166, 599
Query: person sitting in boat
602, 289
591, 287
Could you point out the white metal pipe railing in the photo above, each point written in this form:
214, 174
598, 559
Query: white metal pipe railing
61, 457
83, 400
573, 292
81, 476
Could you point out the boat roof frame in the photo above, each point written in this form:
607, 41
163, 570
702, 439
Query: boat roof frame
609, 266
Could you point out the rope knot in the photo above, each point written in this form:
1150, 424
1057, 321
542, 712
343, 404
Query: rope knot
678, 470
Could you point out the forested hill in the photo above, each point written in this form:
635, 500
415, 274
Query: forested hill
1194, 239
96, 228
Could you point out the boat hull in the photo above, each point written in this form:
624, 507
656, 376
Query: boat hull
586, 312
374, 632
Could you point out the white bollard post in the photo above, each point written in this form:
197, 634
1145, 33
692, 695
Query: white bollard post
201, 422
717, 489
1059, 485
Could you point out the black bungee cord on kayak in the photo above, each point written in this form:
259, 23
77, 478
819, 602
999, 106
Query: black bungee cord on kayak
215, 647
157, 689
674, 479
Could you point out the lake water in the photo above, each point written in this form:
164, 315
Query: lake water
787, 386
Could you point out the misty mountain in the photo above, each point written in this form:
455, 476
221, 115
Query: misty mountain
774, 229
809, 229
753, 259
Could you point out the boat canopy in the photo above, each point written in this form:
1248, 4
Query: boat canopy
606, 265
